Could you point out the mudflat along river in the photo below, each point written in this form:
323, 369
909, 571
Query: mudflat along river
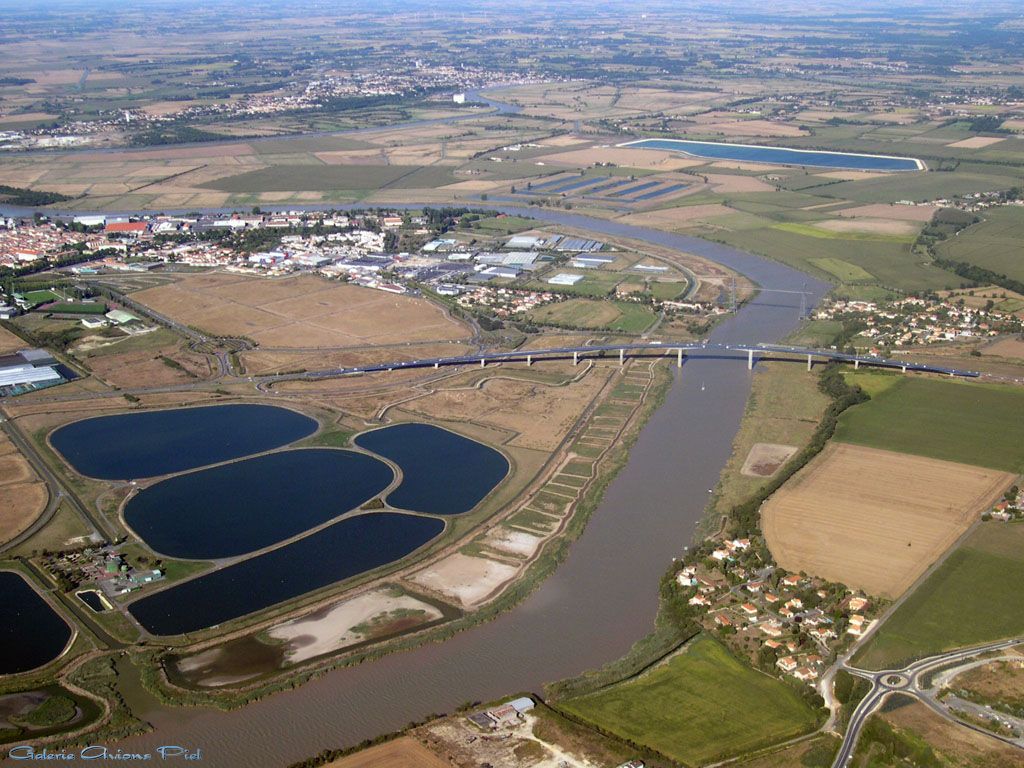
600, 601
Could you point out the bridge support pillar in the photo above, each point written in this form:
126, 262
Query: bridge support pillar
679, 358
622, 357
529, 359
437, 365
904, 369
483, 362
810, 363
750, 359
856, 364
575, 358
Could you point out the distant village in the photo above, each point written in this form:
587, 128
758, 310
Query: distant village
787, 624
925, 320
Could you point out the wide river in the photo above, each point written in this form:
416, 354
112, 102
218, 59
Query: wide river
600, 601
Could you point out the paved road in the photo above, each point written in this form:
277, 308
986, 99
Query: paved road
751, 351
909, 681
57, 491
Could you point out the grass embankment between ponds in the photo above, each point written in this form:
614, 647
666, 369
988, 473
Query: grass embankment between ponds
150, 661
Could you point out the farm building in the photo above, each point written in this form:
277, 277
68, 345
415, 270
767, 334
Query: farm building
26, 370
565, 279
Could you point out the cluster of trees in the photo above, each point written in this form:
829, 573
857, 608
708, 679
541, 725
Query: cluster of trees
30, 197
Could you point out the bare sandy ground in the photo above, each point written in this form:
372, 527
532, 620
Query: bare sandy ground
870, 226
976, 142
334, 627
765, 459
874, 519
469, 580
515, 542
896, 212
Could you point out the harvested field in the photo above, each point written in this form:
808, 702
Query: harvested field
724, 183
680, 217
624, 156
920, 213
374, 614
10, 342
22, 496
405, 752
873, 519
469, 580
299, 312
751, 128
976, 142
765, 459
852, 175
1008, 347
870, 226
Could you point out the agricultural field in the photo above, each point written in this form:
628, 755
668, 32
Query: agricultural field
299, 312
784, 408
700, 706
621, 316
973, 597
23, 495
953, 421
10, 342
404, 752
874, 520
329, 178
993, 244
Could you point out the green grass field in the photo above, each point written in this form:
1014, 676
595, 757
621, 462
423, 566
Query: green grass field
325, 178
956, 421
702, 705
993, 244
40, 297
844, 270
974, 597
78, 309
889, 263
809, 230
622, 316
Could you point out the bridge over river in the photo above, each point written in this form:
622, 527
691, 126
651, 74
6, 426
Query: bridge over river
680, 351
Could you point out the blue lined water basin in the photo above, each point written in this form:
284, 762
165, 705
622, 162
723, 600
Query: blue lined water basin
31, 632
250, 504
442, 473
340, 551
153, 443
781, 155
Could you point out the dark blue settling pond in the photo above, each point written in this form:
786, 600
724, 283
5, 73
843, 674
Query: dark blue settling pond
150, 443
31, 633
347, 548
442, 473
247, 505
